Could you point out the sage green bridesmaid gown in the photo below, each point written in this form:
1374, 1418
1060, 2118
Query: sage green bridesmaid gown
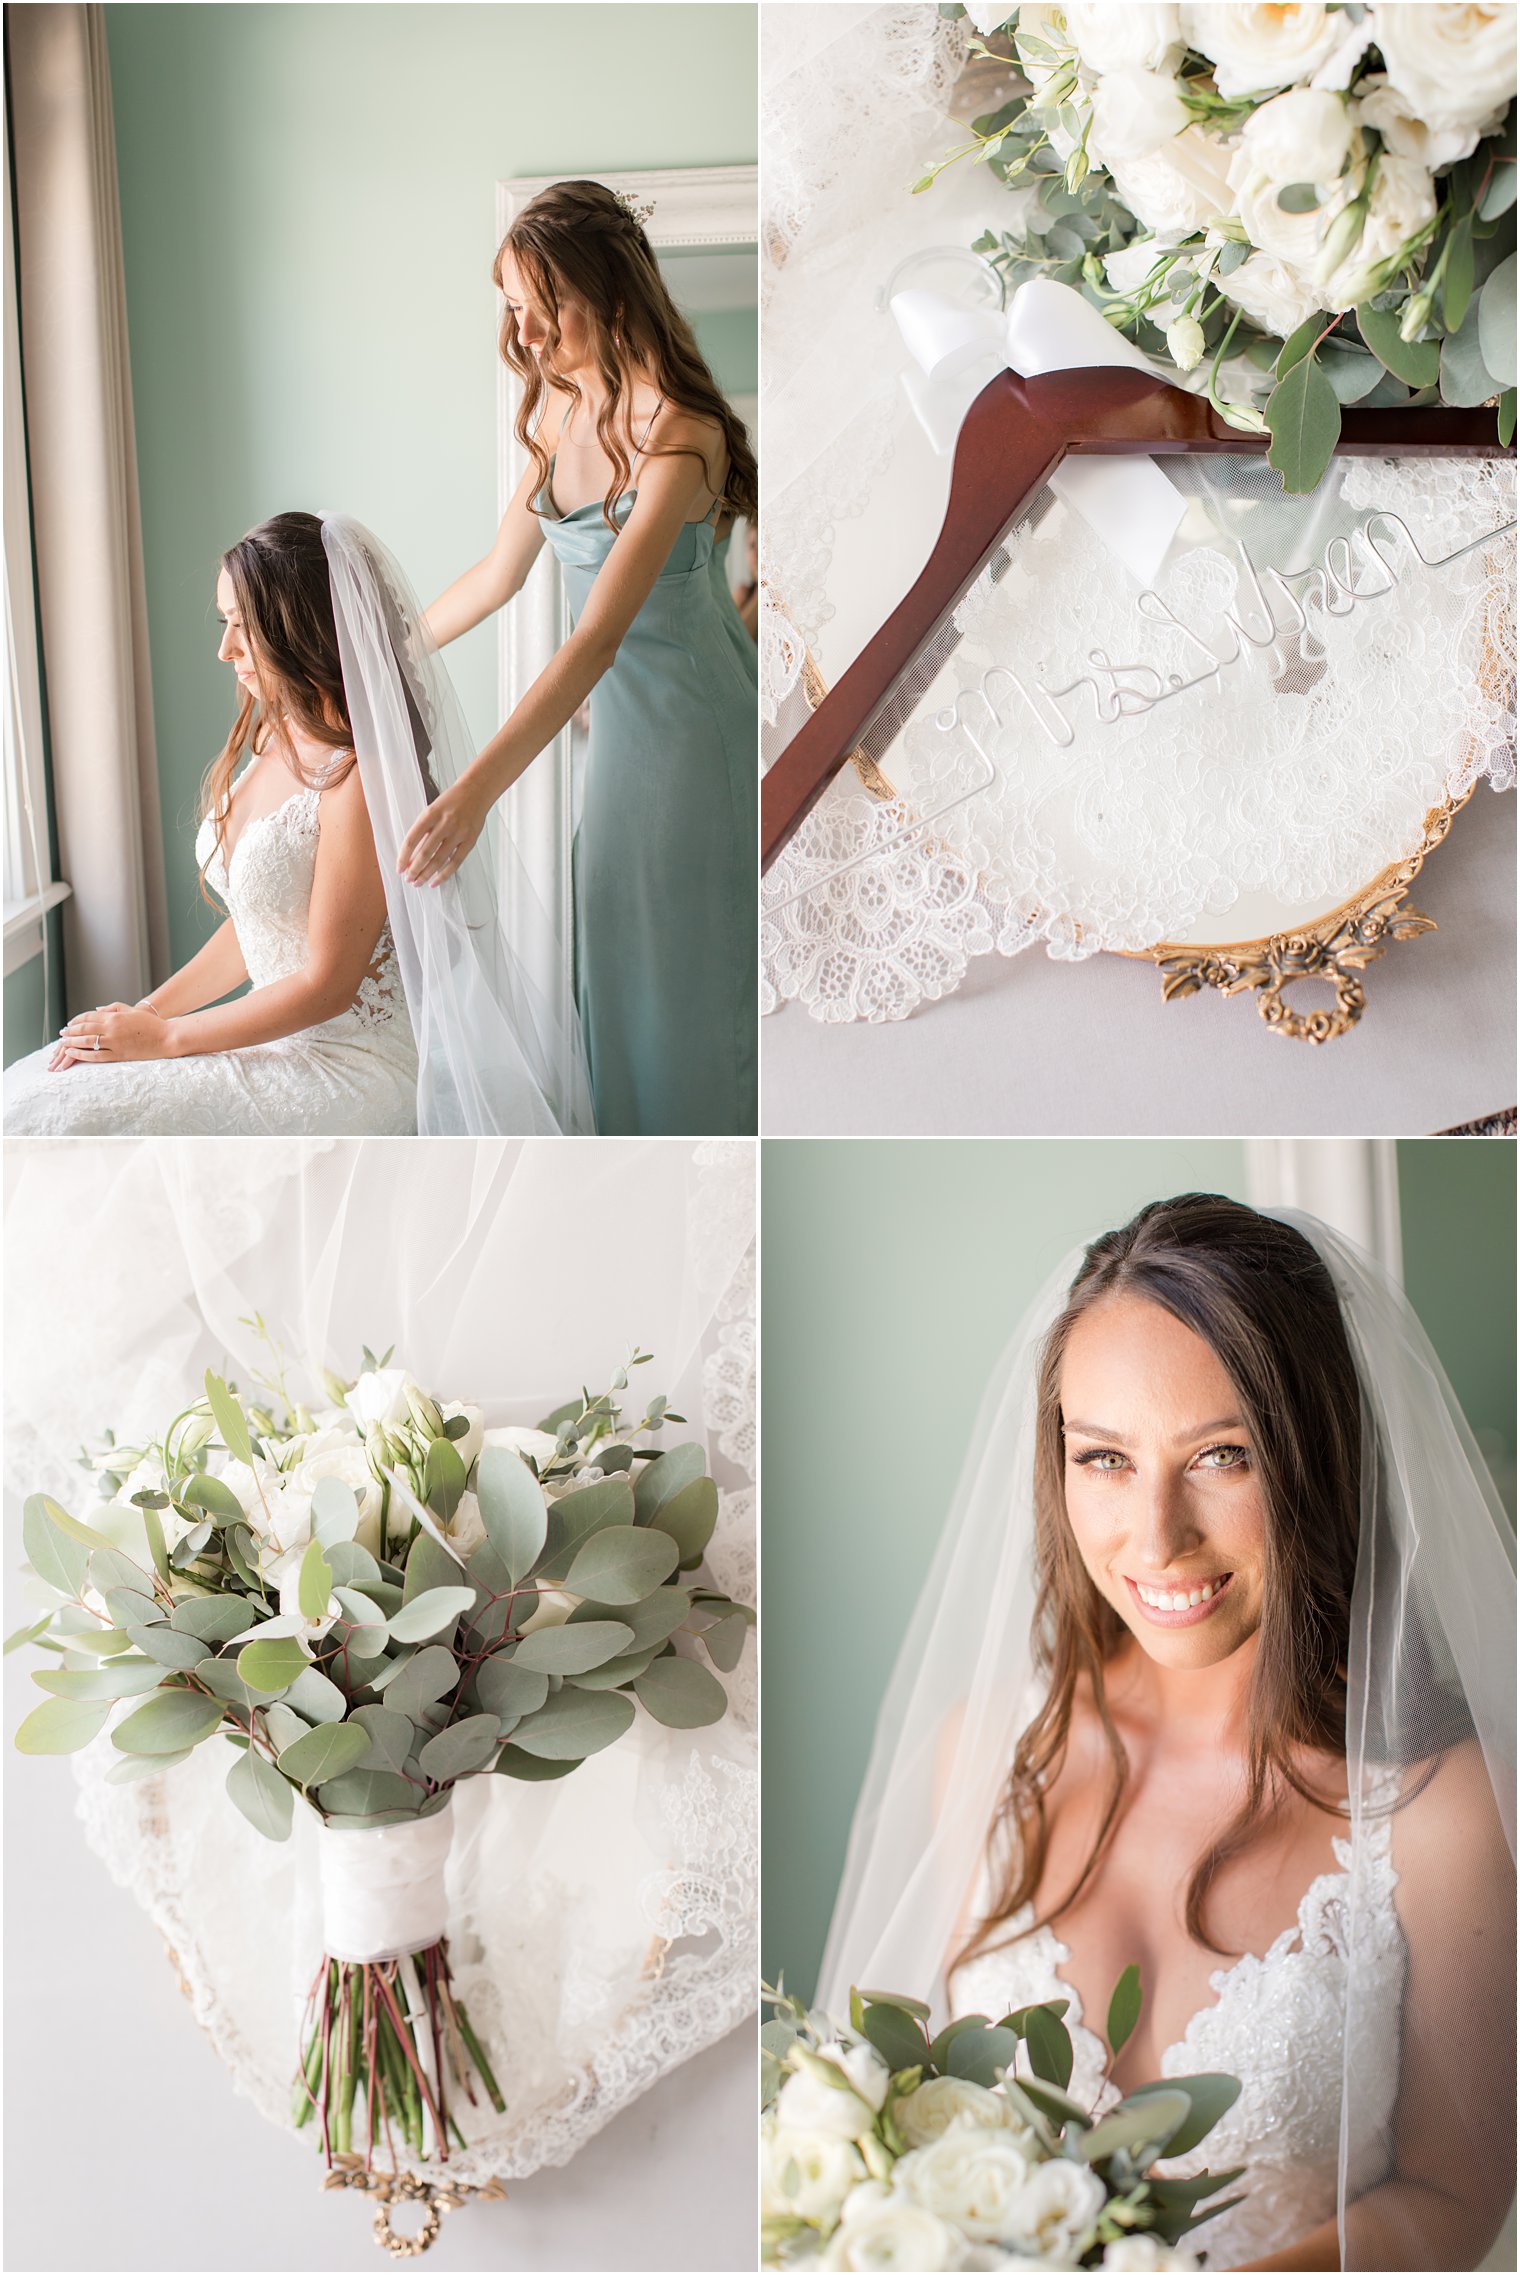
666, 852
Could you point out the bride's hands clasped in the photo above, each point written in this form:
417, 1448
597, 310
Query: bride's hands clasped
443, 834
111, 1033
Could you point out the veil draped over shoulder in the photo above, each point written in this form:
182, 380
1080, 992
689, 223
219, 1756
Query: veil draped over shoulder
499, 1049
1431, 1680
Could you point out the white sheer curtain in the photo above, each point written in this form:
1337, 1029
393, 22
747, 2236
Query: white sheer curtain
1351, 1183
82, 468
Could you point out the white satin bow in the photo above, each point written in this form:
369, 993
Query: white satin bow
1127, 502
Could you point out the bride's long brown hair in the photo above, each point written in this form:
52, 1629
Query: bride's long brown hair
279, 578
578, 238
1262, 1299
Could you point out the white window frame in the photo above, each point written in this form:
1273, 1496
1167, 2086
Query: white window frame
31, 889
694, 206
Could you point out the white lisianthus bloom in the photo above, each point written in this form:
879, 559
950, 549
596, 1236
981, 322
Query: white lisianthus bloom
989, 16
1136, 35
285, 1572
933, 2107
864, 2068
1134, 113
1180, 190
380, 1396
895, 2233
1052, 2218
474, 1438
1257, 48
1454, 65
807, 2174
1184, 342
1272, 294
1145, 2254
466, 1528
1130, 268
1303, 136
553, 1608
808, 2104
1381, 107
538, 1443
1294, 238
974, 2178
1403, 201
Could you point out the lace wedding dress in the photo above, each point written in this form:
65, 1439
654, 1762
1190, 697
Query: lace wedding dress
354, 1075
1276, 2023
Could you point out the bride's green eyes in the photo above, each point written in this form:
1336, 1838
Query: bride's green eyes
1107, 1459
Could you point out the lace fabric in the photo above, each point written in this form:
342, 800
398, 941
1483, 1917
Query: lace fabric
1277, 2022
1297, 773
355, 1073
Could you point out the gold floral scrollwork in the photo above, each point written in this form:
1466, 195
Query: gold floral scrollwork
392, 2188
1336, 949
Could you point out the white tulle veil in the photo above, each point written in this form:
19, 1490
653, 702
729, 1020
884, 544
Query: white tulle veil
605, 1923
1431, 1659
499, 1049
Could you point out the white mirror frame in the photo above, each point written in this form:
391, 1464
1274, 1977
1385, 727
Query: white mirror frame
693, 206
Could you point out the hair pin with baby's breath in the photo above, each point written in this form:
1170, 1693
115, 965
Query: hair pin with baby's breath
639, 213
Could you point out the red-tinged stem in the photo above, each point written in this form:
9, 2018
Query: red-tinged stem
326, 2069
410, 2057
370, 2064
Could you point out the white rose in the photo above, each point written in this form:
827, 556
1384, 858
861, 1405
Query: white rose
1273, 295
380, 1396
1141, 2254
895, 2233
933, 2107
807, 2174
973, 2178
1387, 112
1253, 48
1134, 113
553, 1608
1295, 238
539, 1443
1130, 268
809, 2104
864, 2068
1110, 38
1179, 190
474, 1438
1454, 65
1303, 136
1403, 202
1051, 2217
989, 16
466, 1529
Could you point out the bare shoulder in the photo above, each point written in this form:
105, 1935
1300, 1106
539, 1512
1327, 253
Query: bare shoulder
678, 429
1449, 1811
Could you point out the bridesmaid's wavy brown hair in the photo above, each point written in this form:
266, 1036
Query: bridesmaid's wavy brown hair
578, 239
1263, 1300
279, 577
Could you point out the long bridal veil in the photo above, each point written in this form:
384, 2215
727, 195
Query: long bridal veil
603, 1926
499, 1049
1431, 1682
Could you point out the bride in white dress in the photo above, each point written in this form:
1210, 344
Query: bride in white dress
369, 1011
1215, 1673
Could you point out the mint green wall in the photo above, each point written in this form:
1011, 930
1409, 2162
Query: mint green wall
308, 206
28, 1023
892, 1274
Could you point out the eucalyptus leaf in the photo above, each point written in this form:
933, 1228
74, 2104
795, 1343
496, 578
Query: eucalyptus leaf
85, 1535
221, 1678
171, 1648
1415, 361
391, 1737
512, 1509
323, 1753
1457, 280
428, 1676
52, 1554
1124, 2008
316, 1696
1496, 322
334, 1512
351, 1565
101, 1642
133, 1767
262, 1794
461, 1748
430, 1613
577, 1517
62, 1725
167, 1723
27, 1634
690, 1518
681, 1694
509, 1690
1146, 2124
531, 1768
428, 1566
652, 1621
1210, 2094
981, 2055
572, 1649
314, 1584
1304, 419
1465, 377
369, 1793
622, 1564
664, 1477
574, 1723
271, 1666
443, 1478
229, 1418
724, 1641
896, 2036
617, 1673
119, 1678
1049, 2044
243, 1556
218, 1500
215, 1619
282, 1724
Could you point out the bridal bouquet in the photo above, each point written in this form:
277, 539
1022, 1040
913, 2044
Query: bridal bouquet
1320, 198
883, 2146
369, 1603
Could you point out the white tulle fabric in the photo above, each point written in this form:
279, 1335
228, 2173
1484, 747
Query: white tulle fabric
602, 1928
1315, 2027
354, 1075
498, 1039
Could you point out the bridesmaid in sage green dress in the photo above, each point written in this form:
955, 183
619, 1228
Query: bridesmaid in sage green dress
639, 469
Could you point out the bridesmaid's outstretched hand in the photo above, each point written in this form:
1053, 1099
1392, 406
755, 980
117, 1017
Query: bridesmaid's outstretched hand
443, 834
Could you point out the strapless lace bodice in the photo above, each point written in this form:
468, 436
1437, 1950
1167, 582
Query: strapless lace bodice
1276, 2023
354, 1075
